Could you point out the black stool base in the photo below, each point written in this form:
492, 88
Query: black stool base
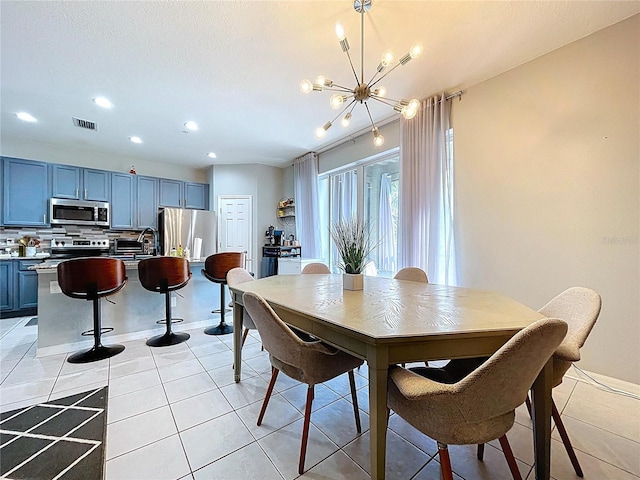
168, 339
96, 353
217, 310
221, 329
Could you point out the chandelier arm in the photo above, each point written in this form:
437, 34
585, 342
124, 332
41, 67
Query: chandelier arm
387, 73
373, 125
352, 67
343, 110
373, 78
362, 43
387, 101
340, 89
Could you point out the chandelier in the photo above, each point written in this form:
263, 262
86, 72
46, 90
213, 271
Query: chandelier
347, 98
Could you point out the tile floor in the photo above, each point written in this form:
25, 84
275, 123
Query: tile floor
175, 413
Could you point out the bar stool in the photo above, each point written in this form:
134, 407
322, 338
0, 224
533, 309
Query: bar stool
91, 279
165, 275
215, 269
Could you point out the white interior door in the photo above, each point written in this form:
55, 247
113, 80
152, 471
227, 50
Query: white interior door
234, 226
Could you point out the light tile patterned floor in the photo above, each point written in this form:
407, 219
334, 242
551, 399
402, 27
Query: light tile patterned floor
175, 412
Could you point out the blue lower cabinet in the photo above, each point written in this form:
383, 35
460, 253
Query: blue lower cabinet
19, 288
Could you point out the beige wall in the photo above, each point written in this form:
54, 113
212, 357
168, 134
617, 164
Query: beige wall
547, 186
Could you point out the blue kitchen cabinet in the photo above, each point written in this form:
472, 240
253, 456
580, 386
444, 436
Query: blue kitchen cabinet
6, 285
123, 200
26, 192
80, 183
147, 202
26, 285
66, 181
196, 195
171, 193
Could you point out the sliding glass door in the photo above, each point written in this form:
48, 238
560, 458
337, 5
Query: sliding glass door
368, 189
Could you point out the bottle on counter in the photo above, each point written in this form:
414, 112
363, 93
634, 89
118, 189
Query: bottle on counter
180, 251
173, 252
187, 253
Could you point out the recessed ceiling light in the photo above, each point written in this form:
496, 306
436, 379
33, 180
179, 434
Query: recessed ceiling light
102, 102
191, 125
26, 117
212, 155
135, 139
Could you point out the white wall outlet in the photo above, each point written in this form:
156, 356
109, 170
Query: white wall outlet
54, 287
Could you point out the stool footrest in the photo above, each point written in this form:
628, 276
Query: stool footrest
173, 320
89, 333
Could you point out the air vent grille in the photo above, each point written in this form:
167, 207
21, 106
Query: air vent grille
78, 122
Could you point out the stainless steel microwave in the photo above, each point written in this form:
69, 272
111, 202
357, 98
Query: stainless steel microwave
79, 212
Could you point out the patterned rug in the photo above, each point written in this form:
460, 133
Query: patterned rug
58, 440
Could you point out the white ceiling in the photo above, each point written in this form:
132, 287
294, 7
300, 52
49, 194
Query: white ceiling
234, 67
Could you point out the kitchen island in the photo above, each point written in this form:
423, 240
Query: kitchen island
132, 312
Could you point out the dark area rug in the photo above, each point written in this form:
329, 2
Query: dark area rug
32, 323
61, 439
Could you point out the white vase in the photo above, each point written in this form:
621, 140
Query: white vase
352, 281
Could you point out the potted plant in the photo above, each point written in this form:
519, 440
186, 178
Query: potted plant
353, 241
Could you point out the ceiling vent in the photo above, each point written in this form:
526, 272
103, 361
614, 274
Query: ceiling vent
78, 122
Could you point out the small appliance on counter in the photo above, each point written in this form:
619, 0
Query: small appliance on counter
128, 246
269, 235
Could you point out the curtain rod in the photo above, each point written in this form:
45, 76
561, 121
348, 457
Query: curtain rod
382, 123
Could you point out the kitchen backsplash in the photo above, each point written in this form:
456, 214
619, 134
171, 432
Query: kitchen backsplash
44, 235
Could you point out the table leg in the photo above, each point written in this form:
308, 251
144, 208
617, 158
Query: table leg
378, 371
541, 416
237, 340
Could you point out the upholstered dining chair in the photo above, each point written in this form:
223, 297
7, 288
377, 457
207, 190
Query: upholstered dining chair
309, 362
316, 267
480, 407
234, 277
413, 274
580, 308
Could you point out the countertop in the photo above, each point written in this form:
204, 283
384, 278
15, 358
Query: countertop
52, 263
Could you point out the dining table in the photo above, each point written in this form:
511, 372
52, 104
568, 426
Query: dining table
397, 321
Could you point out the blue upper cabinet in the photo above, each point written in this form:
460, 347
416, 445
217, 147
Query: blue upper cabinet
65, 181
80, 183
97, 185
171, 193
123, 196
26, 192
147, 202
196, 195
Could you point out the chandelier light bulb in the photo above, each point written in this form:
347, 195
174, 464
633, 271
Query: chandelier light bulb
306, 86
378, 140
415, 51
346, 120
414, 104
321, 80
340, 31
336, 101
321, 131
387, 58
380, 92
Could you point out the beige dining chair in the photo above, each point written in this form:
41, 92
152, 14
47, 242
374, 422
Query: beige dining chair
413, 274
481, 406
316, 267
580, 308
236, 276
309, 362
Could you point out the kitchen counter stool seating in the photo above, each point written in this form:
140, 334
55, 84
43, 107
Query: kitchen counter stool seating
480, 407
309, 362
165, 275
92, 279
215, 269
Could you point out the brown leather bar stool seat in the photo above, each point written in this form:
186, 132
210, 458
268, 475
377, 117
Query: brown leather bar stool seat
91, 279
165, 275
216, 267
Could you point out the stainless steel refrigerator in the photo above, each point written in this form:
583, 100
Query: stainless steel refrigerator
195, 230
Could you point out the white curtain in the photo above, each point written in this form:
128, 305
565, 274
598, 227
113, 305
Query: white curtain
305, 178
426, 203
387, 248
